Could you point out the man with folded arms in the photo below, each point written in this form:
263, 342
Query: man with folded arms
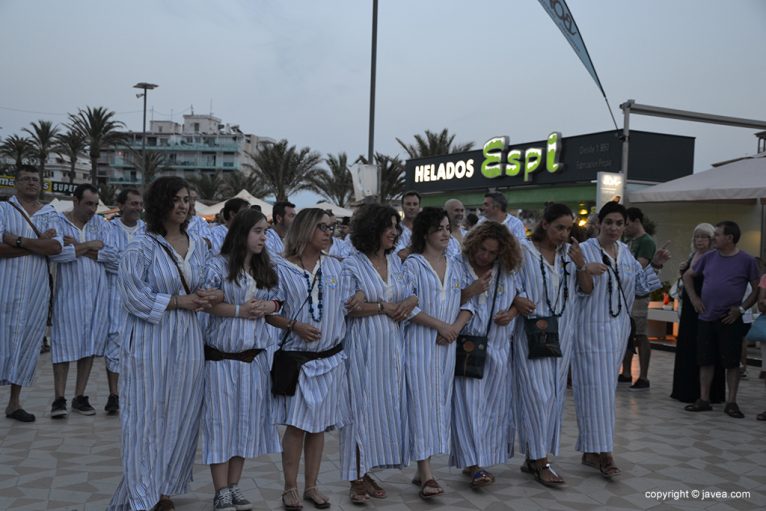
27, 238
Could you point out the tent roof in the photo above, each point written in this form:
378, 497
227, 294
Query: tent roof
62, 206
210, 211
337, 210
740, 179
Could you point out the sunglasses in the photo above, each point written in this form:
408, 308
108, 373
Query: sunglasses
326, 227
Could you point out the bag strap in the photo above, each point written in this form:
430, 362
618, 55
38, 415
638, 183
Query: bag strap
175, 261
494, 299
29, 221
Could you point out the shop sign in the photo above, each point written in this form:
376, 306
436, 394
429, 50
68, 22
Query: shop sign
500, 160
60, 187
610, 187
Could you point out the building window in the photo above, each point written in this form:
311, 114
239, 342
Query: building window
196, 127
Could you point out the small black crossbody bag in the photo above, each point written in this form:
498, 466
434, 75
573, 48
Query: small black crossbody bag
471, 353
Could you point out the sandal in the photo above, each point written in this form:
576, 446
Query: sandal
358, 493
479, 477
761, 417
431, 483
373, 488
607, 467
164, 505
293, 500
315, 497
539, 467
699, 406
732, 410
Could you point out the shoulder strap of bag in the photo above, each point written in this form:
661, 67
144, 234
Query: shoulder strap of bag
175, 261
305, 301
29, 221
494, 299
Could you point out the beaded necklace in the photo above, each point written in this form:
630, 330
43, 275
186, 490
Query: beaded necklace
562, 282
610, 270
310, 286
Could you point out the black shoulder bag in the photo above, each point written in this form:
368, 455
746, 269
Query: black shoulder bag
471, 353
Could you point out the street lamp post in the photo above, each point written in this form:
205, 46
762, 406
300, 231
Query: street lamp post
145, 87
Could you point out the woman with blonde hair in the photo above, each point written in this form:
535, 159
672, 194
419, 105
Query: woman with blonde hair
315, 399
686, 381
482, 430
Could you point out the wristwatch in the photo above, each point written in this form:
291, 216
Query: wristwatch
18, 242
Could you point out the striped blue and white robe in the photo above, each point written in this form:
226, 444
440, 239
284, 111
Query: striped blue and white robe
320, 402
600, 343
119, 237
540, 385
375, 350
404, 239
24, 296
430, 367
274, 243
81, 303
217, 234
340, 249
482, 414
236, 409
199, 228
161, 372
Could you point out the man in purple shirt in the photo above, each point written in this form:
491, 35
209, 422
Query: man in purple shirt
726, 273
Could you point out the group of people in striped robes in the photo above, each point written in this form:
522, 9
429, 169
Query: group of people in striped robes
410, 349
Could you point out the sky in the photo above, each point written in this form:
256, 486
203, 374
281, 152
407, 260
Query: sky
300, 69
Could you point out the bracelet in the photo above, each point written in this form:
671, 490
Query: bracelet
581, 268
656, 267
290, 324
236, 311
174, 301
277, 306
380, 306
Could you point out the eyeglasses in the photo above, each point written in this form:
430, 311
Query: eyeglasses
28, 179
326, 227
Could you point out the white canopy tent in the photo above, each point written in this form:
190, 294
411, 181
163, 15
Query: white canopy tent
740, 179
62, 206
208, 211
337, 210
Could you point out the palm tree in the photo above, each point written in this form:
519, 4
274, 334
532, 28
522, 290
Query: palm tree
154, 162
392, 180
17, 148
209, 186
335, 182
434, 144
43, 141
239, 180
286, 170
70, 144
107, 194
100, 130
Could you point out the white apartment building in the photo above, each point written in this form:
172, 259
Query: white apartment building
201, 145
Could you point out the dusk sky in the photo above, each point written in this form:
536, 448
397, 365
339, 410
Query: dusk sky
300, 69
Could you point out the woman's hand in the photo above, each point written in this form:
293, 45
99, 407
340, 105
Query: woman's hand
505, 317
213, 296
355, 302
447, 333
662, 256
307, 332
524, 306
575, 254
192, 302
595, 269
479, 285
255, 309
400, 311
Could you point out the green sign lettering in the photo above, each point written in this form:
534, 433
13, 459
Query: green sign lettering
492, 166
529, 160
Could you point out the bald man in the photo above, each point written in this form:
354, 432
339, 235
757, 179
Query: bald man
456, 213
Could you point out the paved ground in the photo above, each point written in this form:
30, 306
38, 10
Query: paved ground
75, 464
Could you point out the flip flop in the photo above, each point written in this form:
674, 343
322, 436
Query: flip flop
732, 410
481, 478
373, 488
431, 483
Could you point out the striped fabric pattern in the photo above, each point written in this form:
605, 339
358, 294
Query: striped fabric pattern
198, 227
514, 225
236, 414
540, 384
24, 296
375, 350
217, 234
274, 243
600, 343
429, 367
341, 249
482, 415
404, 238
119, 238
81, 302
320, 402
161, 374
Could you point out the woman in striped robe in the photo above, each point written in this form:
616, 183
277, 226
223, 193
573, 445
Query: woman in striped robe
602, 329
551, 271
314, 316
236, 418
429, 343
161, 362
377, 435
482, 414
